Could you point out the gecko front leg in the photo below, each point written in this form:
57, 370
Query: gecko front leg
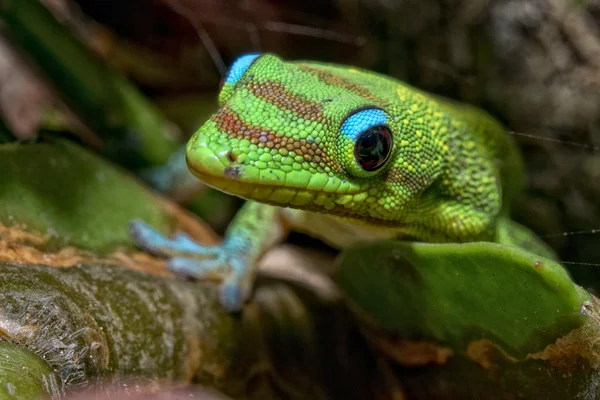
255, 228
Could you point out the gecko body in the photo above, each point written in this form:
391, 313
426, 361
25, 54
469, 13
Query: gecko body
345, 155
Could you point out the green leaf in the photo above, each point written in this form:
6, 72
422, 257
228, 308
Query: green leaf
456, 293
69, 193
24, 375
133, 131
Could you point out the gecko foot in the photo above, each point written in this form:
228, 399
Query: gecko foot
187, 258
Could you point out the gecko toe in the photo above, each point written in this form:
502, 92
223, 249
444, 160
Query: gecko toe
232, 295
154, 242
233, 290
147, 238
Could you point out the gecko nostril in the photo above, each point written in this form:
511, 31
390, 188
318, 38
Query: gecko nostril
232, 157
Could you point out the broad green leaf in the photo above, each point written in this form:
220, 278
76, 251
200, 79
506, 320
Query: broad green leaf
456, 293
67, 192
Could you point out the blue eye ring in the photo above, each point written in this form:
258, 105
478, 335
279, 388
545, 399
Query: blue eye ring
373, 140
362, 119
238, 68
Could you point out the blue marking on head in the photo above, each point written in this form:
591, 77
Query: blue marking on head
363, 120
239, 67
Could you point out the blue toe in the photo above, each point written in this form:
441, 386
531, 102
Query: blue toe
199, 269
231, 296
186, 244
148, 238
201, 262
155, 242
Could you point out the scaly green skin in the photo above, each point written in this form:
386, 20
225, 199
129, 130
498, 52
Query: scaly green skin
276, 140
279, 138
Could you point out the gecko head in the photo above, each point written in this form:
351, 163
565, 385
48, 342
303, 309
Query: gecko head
304, 135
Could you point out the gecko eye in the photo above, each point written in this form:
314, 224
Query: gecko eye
373, 147
371, 141
238, 69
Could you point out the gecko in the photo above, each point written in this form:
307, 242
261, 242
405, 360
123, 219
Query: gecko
345, 155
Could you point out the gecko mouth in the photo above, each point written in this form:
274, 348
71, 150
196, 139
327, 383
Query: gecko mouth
231, 183
304, 199
219, 170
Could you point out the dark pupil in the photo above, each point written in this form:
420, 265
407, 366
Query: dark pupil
373, 147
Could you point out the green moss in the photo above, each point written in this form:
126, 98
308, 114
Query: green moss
454, 294
92, 322
68, 192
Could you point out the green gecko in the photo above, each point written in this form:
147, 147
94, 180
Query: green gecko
345, 155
